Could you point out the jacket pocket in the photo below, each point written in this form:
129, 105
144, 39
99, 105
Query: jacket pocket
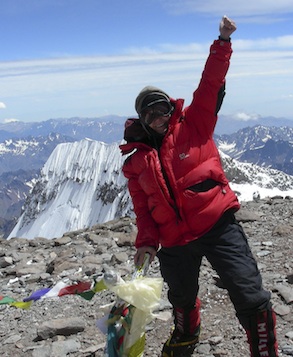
204, 186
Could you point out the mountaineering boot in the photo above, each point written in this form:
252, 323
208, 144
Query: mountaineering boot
180, 345
185, 336
262, 334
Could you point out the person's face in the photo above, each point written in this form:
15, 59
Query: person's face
158, 117
160, 124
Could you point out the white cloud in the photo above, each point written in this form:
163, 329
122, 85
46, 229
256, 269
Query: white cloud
2, 105
259, 79
246, 117
277, 43
10, 120
247, 8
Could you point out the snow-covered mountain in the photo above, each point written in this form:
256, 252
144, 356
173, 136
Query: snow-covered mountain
81, 185
229, 124
248, 179
21, 159
28, 153
14, 189
262, 145
25, 147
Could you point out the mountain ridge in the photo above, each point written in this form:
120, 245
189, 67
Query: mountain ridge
226, 124
82, 184
256, 145
264, 146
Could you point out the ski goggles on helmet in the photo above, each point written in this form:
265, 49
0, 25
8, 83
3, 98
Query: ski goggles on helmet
156, 110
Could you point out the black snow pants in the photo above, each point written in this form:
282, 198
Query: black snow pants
227, 250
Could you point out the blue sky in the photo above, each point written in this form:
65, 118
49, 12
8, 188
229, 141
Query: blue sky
90, 58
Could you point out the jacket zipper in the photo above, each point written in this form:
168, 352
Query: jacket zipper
174, 206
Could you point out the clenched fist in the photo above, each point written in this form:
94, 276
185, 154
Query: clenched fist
227, 27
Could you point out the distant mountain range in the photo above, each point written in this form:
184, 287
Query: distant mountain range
229, 124
26, 147
110, 128
264, 146
28, 152
107, 129
82, 185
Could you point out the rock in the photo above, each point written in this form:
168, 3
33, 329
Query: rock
63, 241
124, 240
286, 292
68, 323
263, 253
215, 340
281, 309
203, 348
287, 349
120, 257
289, 335
244, 215
5, 262
63, 348
57, 348
31, 269
66, 266
290, 278
65, 327
92, 349
12, 339
282, 230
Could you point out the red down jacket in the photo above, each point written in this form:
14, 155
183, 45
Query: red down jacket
168, 211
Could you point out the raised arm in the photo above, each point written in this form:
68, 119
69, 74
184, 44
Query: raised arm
208, 97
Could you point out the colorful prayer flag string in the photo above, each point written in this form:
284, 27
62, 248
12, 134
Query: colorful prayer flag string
126, 322
86, 290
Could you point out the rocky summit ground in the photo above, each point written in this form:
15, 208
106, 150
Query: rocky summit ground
66, 326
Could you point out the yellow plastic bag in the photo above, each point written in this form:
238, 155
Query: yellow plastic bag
143, 296
144, 293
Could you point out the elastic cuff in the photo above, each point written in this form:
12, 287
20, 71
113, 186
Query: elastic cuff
223, 39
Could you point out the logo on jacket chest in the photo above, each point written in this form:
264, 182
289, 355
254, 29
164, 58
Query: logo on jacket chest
183, 156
